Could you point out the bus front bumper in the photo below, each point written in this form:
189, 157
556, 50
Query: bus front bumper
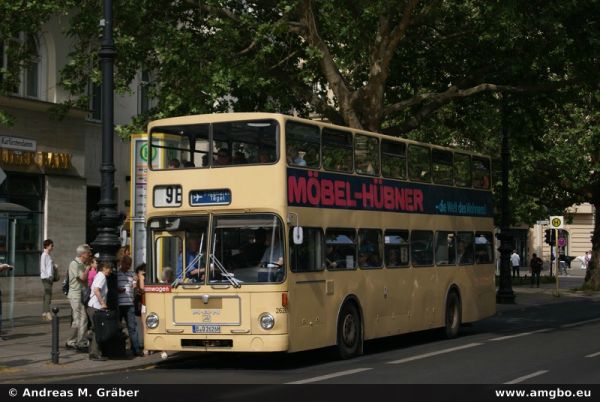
216, 343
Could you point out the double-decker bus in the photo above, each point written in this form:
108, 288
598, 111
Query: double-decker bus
274, 233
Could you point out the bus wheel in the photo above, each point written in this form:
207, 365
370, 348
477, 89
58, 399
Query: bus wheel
349, 336
453, 315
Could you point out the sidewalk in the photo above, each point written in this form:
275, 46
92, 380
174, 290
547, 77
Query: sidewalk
25, 354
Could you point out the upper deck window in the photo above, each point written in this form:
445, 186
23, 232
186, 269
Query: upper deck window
393, 159
481, 173
337, 150
303, 144
244, 142
419, 163
462, 170
223, 144
175, 147
366, 155
442, 166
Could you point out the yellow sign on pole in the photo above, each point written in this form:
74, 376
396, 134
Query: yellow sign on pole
557, 222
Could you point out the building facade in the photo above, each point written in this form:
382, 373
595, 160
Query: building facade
52, 166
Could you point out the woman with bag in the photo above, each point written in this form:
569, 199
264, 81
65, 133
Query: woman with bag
97, 306
49, 275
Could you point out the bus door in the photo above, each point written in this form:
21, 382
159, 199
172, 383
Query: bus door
311, 294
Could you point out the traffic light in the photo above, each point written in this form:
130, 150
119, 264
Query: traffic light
550, 237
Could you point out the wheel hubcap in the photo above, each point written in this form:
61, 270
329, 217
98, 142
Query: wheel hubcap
349, 330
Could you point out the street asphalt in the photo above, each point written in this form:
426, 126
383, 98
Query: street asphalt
26, 349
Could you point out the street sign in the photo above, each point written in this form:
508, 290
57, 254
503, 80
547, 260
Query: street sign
2, 176
557, 222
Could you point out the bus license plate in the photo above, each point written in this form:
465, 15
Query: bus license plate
206, 329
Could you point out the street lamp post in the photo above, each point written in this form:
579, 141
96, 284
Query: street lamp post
106, 217
505, 294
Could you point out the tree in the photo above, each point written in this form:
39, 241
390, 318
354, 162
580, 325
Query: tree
436, 70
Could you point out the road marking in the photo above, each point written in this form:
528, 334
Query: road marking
574, 324
526, 377
502, 338
594, 354
332, 375
439, 352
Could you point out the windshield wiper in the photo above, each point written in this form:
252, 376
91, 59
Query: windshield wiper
216, 263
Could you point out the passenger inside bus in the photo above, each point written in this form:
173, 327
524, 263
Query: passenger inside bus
174, 163
168, 276
295, 157
194, 270
333, 259
253, 251
223, 157
273, 253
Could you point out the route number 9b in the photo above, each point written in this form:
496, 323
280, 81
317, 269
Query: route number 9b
167, 196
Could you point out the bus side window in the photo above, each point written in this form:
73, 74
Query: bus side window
337, 150
484, 248
464, 248
445, 248
481, 173
366, 155
396, 248
369, 248
303, 145
393, 159
340, 249
419, 163
421, 247
442, 166
462, 170
308, 256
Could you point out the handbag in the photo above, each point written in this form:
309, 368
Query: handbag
55, 275
86, 294
106, 325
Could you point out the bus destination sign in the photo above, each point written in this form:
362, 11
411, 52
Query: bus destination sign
210, 197
307, 188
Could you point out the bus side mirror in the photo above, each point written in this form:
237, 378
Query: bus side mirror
298, 235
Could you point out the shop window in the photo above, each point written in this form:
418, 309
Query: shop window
25, 190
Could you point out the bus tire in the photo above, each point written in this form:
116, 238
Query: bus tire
349, 333
453, 315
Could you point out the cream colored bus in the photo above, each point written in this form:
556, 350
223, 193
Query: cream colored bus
273, 233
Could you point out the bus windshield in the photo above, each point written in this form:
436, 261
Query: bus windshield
249, 247
247, 142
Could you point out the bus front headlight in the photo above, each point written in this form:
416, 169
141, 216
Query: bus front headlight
152, 320
266, 321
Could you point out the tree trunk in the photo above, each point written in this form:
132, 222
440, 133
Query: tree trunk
592, 276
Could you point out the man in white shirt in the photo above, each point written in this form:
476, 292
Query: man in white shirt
515, 261
47, 275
